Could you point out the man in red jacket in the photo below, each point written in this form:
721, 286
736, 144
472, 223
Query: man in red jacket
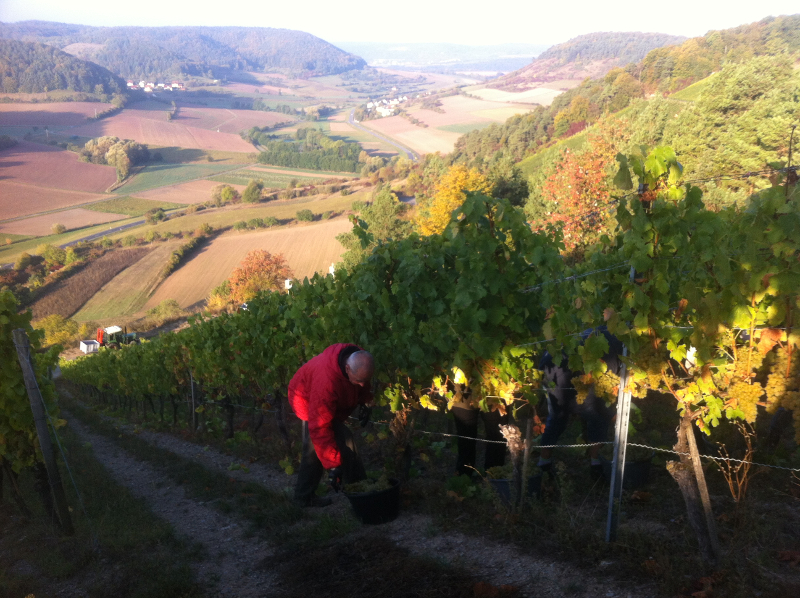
323, 393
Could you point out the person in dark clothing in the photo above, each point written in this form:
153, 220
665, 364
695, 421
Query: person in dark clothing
562, 402
323, 393
466, 417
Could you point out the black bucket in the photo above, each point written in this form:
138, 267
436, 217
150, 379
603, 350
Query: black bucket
637, 473
377, 507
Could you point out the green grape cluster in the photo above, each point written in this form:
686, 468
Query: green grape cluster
651, 362
748, 360
779, 384
747, 396
606, 386
581, 389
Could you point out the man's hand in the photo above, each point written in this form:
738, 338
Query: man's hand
335, 479
364, 413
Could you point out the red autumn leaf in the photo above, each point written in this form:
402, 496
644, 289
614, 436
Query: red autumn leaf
608, 313
769, 338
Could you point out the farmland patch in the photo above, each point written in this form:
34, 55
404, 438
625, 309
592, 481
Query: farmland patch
125, 294
149, 128
464, 128
539, 95
20, 199
49, 114
67, 296
272, 180
184, 193
307, 249
131, 206
418, 139
42, 225
159, 175
502, 114
47, 166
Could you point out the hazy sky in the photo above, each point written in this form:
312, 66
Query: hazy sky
465, 21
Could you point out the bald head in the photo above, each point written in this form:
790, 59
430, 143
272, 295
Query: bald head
359, 367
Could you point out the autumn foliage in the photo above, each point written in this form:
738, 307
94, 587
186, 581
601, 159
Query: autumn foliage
259, 271
450, 194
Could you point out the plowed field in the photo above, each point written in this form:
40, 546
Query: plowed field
187, 193
53, 114
228, 121
41, 225
47, 166
420, 140
307, 249
144, 128
19, 199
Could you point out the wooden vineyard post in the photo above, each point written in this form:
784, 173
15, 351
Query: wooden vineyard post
700, 478
37, 407
527, 456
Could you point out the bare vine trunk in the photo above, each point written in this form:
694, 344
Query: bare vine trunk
691, 480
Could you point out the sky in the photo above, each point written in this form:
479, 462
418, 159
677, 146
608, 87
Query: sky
469, 22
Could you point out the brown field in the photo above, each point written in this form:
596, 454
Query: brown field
420, 140
20, 199
39, 226
538, 95
307, 249
125, 294
67, 296
53, 114
228, 121
147, 127
188, 193
47, 166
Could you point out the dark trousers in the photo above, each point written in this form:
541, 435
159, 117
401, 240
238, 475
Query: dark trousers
595, 417
467, 425
311, 469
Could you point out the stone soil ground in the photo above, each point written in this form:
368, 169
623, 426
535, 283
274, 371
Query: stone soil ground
237, 563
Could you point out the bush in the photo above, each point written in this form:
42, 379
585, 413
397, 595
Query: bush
357, 206
58, 330
255, 223
151, 236
326, 215
346, 191
58, 229
166, 311
270, 221
23, 261
107, 243
241, 225
305, 215
204, 229
252, 194
130, 241
154, 216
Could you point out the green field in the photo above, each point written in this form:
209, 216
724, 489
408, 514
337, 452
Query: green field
161, 175
8, 238
531, 164
11, 252
465, 127
131, 206
222, 217
182, 155
271, 180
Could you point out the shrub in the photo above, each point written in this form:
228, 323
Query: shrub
252, 193
58, 229
151, 236
270, 221
241, 225
255, 223
58, 330
23, 261
305, 215
357, 206
53, 256
204, 229
346, 191
166, 311
107, 243
326, 215
130, 240
154, 216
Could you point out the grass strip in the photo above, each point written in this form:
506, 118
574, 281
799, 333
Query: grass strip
132, 206
268, 511
138, 554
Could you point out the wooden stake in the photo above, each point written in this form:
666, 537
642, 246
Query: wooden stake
700, 476
37, 407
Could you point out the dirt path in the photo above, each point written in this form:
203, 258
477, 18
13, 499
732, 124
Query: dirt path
494, 562
232, 563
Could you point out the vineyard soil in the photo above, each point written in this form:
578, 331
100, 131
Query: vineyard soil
56, 114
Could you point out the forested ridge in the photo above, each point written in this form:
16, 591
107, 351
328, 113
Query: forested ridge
153, 51
623, 47
31, 67
662, 70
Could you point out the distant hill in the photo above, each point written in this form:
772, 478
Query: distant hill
671, 69
162, 51
591, 55
442, 57
29, 67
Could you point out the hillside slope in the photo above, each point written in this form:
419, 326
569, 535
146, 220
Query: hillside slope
591, 55
30, 67
154, 51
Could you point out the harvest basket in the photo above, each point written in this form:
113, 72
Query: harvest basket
376, 507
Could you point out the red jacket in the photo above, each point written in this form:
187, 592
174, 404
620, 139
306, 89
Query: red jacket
320, 394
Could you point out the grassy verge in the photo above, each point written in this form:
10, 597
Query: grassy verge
162, 175
132, 206
137, 555
182, 155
